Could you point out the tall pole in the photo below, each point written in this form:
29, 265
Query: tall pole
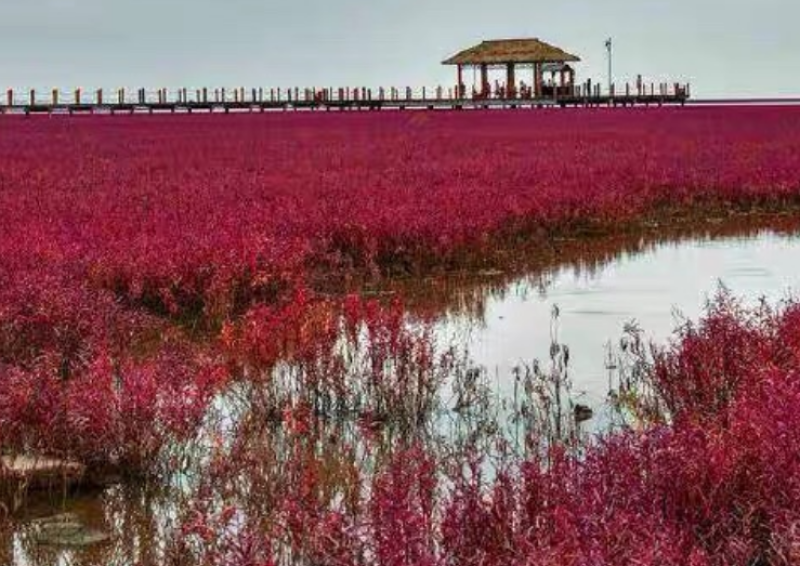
610, 53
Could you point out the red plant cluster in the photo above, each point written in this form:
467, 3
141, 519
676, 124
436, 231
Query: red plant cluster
207, 214
348, 356
110, 412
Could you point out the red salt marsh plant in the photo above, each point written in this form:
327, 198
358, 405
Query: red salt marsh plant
112, 228
339, 357
204, 215
113, 414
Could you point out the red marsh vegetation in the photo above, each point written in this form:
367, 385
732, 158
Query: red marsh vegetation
151, 266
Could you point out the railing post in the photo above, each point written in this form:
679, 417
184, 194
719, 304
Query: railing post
55, 96
33, 97
10, 97
77, 96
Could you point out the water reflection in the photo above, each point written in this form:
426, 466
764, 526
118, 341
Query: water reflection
138, 519
657, 288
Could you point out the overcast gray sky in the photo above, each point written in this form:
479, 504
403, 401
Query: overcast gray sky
724, 47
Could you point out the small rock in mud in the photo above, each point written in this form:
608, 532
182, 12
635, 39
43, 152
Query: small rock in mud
41, 471
66, 529
583, 413
491, 273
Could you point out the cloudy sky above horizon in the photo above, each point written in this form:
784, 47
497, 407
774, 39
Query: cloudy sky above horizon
725, 48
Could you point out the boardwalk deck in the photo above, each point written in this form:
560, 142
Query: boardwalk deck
315, 102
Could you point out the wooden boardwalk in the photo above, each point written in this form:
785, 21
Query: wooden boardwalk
271, 100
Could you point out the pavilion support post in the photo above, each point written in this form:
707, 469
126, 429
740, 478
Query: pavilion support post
485, 87
510, 81
460, 88
537, 80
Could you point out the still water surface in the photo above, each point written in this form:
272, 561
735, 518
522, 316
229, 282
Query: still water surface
656, 289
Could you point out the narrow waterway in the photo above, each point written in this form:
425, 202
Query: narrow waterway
657, 289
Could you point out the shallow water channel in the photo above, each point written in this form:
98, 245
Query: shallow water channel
657, 289
502, 319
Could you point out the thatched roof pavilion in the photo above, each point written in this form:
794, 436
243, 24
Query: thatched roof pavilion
511, 53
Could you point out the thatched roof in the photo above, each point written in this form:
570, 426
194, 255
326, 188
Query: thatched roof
501, 51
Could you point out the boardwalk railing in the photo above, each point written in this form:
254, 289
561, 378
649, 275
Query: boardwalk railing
260, 98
